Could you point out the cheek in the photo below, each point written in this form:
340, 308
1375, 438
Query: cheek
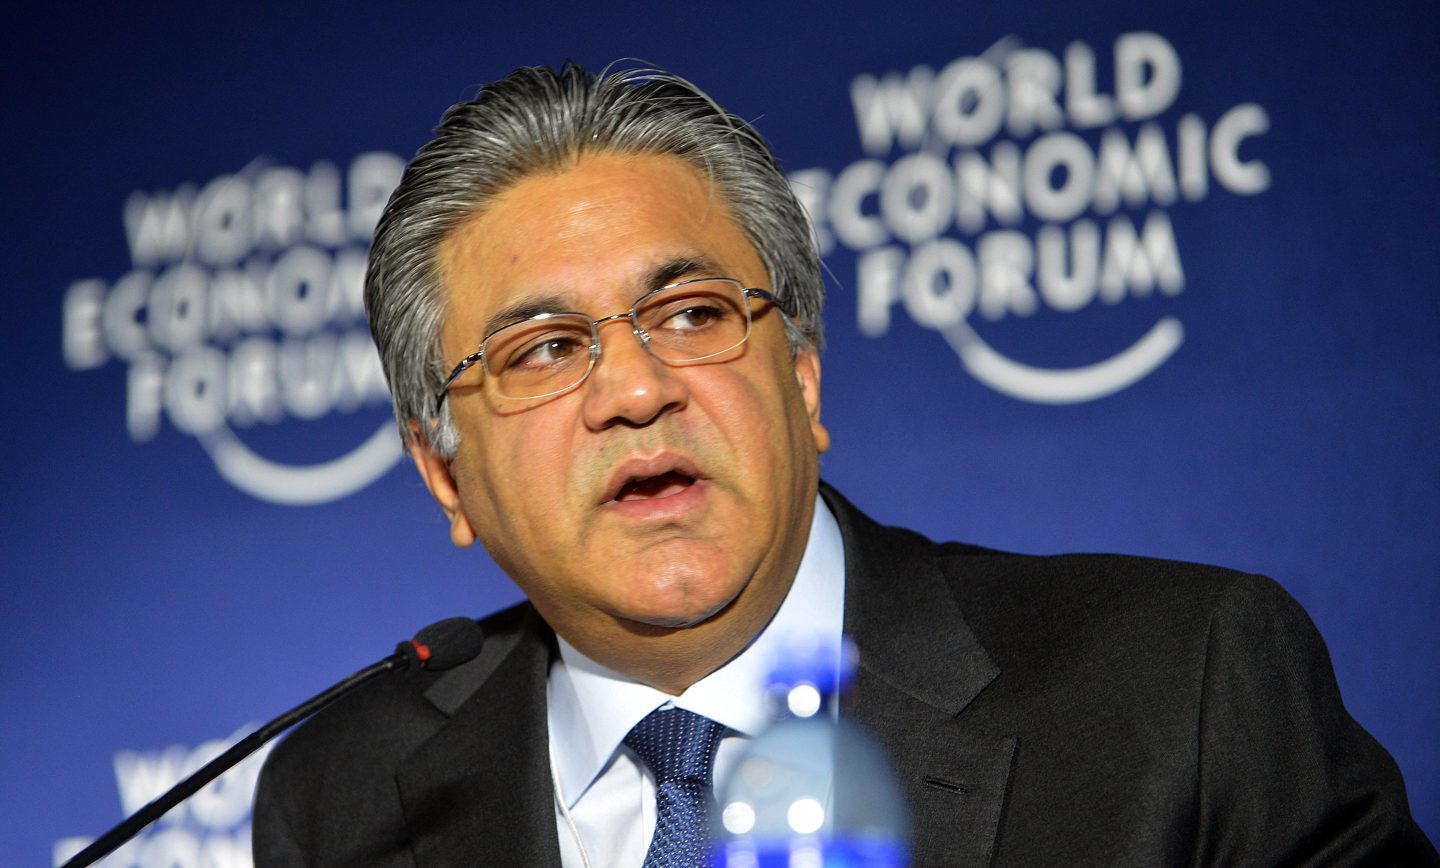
516, 470
753, 410
738, 404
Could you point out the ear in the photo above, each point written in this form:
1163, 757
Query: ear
807, 371
436, 472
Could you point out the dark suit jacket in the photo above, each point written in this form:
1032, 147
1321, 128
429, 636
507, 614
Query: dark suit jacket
1076, 710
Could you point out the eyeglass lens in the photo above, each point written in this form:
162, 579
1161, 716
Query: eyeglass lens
685, 323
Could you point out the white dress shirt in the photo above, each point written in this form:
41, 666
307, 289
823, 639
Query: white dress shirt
608, 791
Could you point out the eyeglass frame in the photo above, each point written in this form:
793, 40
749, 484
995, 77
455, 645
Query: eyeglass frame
640, 335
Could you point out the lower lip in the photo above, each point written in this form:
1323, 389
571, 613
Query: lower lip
678, 505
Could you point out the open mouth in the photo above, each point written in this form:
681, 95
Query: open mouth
664, 485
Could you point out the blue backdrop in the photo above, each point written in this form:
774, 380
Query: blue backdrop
1143, 278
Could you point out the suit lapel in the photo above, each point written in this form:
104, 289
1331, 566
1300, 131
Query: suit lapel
920, 667
478, 791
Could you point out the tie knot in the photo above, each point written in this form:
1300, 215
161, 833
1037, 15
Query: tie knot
676, 745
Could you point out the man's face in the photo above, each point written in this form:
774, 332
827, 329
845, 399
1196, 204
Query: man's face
652, 497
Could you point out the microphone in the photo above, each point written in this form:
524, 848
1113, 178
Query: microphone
442, 645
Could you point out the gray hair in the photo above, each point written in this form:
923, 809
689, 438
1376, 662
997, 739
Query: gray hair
536, 120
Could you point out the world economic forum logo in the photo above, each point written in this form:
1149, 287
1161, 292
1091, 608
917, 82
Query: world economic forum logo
243, 307
1021, 181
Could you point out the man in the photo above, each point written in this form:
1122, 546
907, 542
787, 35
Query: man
598, 306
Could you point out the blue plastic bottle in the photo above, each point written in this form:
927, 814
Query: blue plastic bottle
812, 791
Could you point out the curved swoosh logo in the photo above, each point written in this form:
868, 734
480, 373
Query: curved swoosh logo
308, 485
1065, 385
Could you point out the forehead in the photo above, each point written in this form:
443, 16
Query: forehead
591, 236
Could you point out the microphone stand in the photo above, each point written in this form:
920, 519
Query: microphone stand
405, 652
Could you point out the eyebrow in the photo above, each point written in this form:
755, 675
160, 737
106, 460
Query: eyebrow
674, 269
524, 309
664, 274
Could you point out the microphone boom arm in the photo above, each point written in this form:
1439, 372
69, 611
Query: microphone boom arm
405, 653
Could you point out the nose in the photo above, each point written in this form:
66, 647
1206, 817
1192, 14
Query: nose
628, 385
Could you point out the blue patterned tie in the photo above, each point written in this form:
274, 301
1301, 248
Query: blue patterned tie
678, 746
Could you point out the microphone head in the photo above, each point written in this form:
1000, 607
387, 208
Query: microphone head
445, 644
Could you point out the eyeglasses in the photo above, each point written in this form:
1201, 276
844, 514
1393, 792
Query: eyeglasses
549, 353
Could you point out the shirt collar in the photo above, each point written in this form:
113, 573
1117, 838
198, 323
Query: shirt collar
591, 708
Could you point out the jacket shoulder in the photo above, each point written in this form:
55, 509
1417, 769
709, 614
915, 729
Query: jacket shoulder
1007, 590
385, 716
1056, 610
339, 767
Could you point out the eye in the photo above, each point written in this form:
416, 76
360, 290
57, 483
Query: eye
694, 315
545, 352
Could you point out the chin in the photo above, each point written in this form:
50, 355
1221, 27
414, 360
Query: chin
680, 617
675, 587
681, 605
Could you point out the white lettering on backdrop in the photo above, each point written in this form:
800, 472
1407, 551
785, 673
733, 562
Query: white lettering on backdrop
980, 196
243, 307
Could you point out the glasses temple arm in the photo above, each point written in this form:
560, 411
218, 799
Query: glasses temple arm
770, 297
